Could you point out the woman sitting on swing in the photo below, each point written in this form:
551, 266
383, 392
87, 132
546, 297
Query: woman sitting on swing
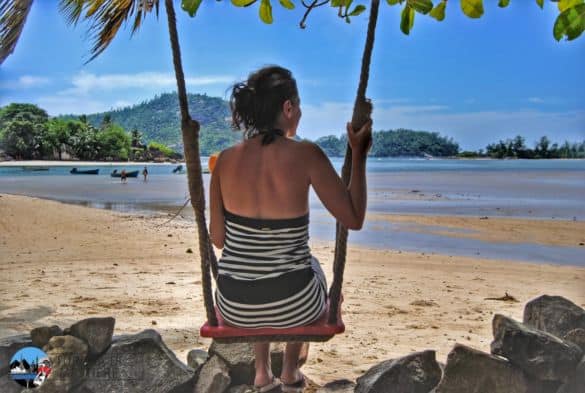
259, 201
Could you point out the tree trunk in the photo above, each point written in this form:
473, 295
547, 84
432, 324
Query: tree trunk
362, 111
190, 130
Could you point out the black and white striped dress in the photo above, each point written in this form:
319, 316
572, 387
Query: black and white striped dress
267, 276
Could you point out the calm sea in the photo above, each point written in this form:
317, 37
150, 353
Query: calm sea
539, 189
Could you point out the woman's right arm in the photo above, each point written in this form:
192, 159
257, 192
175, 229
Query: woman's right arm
346, 204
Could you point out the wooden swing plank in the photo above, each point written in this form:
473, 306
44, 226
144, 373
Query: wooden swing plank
318, 331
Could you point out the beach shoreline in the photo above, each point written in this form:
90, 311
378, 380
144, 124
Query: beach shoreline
63, 163
63, 263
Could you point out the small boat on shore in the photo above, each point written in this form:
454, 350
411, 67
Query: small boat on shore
76, 171
178, 169
128, 174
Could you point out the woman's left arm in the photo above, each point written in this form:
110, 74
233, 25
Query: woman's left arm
216, 216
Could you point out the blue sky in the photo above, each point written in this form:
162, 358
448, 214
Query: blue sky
474, 80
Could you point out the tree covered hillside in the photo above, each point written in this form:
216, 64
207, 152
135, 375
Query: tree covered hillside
396, 143
158, 121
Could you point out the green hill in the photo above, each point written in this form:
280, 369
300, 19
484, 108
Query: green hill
158, 120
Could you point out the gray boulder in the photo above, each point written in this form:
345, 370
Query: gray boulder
539, 354
418, 372
40, 336
577, 337
96, 332
577, 383
7, 385
8, 347
339, 386
196, 358
240, 360
67, 355
553, 314
240, 389
137, 363
469, 370
214, 377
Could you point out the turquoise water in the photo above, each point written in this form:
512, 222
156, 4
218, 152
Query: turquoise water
537, 189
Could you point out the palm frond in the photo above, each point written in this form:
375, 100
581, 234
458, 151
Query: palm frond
13, 15
105, 17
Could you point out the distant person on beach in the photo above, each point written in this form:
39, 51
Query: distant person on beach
259, 200
123, 177
145, 173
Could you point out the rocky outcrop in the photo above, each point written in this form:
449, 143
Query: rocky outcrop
68, 355
96, 332
7, 385
524, 359
539, 354
553, 314
339, 386
214, 376
197, 358
577, 337
40, 336
137, 363
577, 383
239, 358
470, 370
417, 373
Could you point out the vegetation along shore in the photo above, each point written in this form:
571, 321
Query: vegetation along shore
132, 133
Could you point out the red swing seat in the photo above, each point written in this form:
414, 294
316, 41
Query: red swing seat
320, 330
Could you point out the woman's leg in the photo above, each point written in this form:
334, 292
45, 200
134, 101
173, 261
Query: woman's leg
303, 354
263, 370
290, 367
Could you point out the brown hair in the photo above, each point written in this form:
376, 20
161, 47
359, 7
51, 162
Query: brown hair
257, 102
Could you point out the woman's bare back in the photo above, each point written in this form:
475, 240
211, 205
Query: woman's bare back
270, 181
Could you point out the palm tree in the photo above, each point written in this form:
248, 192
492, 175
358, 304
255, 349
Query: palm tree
12, 18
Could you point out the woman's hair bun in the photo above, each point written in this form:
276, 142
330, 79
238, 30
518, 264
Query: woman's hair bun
257, 102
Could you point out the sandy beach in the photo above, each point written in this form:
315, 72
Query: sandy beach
60, 263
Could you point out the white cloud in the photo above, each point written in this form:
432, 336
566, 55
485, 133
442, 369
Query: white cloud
25, 82
62, 105
84, 82
536, 100
90, 93
473, 130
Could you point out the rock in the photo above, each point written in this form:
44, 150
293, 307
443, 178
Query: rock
137, 363
7, 385
576, 336
40, 336
241, 389
554, 314
8, 347
539, 354
67, 355
214, 376
469, 370
196, 358
339, 386
96, 332
415, 373
577, 383
240, 360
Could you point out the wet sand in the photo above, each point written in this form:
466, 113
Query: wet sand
61, 263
